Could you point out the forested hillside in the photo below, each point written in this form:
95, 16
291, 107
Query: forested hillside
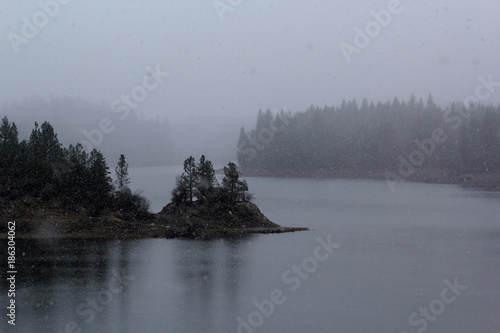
41, 173
397, 136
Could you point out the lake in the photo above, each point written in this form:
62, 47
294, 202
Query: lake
423, 258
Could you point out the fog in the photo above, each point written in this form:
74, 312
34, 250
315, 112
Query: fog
209, 66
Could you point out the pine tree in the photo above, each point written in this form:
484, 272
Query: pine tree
122, 178
51, 148
464, 149
45, 154
9, 155
243, 150
206, 179
8, 134
73, 176
99, 185
190, 177
234, 188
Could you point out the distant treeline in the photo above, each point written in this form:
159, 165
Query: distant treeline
77, 120
368, 137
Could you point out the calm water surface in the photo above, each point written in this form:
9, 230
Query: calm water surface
397, 253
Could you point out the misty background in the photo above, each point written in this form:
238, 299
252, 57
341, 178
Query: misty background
225, 66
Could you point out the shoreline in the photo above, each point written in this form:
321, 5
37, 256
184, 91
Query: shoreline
57, 229
56, 224
202, 234
191, 224
482, 181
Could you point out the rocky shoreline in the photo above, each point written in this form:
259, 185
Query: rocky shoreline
205, 222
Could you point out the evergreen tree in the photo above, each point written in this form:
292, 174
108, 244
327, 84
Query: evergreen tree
190, 177
8, 135
122, 178
206, 179
199, 181
74, 176
464, 148
45, 154
9, 156
100, 185
51, 149
243, 149
234, 188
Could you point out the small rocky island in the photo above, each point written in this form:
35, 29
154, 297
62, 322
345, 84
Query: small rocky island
51, 191
203, 208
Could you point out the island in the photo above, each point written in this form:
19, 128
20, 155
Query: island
51, 191
203, 208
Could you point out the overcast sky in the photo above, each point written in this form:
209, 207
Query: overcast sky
256, 54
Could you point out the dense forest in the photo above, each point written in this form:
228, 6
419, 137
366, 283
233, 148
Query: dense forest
41, 172
397, 137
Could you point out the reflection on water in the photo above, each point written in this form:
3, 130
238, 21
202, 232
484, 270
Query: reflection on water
60, 281
92, 284
55, 277
210, 273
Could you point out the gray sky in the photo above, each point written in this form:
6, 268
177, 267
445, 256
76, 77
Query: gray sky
262, 54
